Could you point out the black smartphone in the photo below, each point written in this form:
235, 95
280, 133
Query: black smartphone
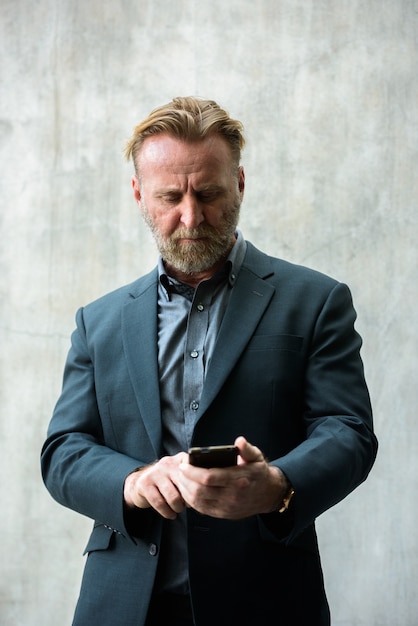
213, 456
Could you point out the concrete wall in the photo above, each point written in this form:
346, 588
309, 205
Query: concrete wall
328, 92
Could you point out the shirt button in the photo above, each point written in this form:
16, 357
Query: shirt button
200, 307
194, 405
153, 549
194, 354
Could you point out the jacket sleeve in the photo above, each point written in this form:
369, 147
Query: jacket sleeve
340, 446
80, 471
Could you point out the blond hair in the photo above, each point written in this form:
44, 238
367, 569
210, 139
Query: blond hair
189, 119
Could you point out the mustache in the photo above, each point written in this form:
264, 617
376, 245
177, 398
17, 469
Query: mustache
195, 233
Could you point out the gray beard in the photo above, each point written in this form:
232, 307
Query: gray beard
198, 256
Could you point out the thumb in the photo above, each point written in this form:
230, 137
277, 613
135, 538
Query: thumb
248, 452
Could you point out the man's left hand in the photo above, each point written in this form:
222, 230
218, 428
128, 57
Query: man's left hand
249, 488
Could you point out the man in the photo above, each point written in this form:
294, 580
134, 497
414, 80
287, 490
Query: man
219, 344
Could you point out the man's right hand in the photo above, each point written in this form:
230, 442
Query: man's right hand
153, 486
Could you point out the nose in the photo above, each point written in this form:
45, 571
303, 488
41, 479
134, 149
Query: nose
191, 212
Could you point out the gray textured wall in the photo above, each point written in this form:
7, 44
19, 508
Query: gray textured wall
327, 90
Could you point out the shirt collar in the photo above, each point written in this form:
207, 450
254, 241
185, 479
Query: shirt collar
231, 267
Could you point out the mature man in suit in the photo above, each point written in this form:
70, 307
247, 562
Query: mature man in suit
219, 344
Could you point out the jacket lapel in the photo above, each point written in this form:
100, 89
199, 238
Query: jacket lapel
249, 299
139, 336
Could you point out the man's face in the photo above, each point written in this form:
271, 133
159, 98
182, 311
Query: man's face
190, 195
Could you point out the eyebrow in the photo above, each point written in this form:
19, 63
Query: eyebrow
164, 191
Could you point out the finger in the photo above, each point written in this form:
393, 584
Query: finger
248, 452
159, 504
192, 475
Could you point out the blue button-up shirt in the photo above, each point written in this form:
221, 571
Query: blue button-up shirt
188, 324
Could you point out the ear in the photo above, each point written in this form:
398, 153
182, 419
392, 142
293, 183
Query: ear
241, 180
136, 188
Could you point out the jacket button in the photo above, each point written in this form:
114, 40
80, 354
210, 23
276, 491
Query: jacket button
153, 549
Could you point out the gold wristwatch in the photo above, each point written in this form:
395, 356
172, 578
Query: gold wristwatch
286, 500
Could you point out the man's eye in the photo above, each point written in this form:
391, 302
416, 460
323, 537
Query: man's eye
208, 196
171, 199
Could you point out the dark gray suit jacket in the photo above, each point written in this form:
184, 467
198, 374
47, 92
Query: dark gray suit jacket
286, 373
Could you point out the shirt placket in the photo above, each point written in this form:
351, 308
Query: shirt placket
194, 357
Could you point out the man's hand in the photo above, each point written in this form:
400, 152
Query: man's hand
249, 488
155, 486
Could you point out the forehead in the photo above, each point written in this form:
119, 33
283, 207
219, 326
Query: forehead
166, 154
